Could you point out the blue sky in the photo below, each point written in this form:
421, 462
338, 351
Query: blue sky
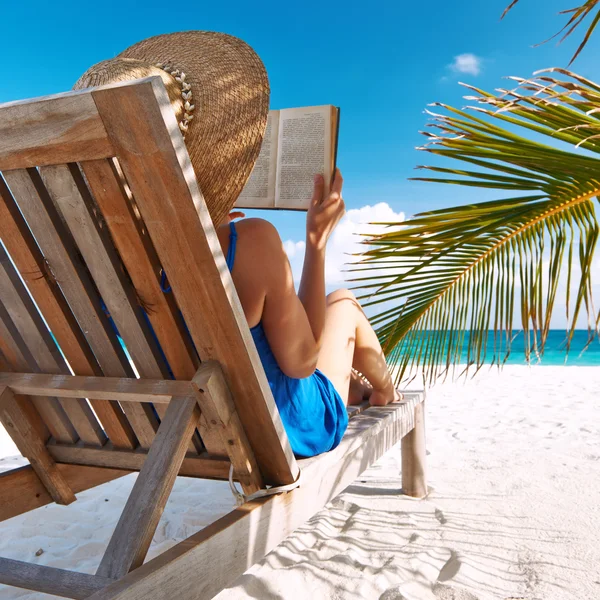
382, 62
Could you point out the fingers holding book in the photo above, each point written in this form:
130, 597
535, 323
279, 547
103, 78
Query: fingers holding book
324, 212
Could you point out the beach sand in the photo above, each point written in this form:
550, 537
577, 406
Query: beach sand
513, 510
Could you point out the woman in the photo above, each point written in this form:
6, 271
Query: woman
309, 343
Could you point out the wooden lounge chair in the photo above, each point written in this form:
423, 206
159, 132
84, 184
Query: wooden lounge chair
77, 244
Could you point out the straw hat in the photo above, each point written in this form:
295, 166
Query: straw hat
219, 91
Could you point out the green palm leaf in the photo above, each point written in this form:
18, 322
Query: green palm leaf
450, 276
577, 16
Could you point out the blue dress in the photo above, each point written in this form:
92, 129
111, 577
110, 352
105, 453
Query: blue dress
313, 413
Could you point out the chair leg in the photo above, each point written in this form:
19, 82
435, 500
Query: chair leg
32, 447
132, 536
414, 481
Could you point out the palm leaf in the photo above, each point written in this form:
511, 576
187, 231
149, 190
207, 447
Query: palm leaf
577, 16
452, 275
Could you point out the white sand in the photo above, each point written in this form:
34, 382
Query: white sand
514, 508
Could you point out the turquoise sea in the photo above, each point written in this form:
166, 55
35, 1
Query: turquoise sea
554, 353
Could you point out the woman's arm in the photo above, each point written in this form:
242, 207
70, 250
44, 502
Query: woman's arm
322, 217
294, 322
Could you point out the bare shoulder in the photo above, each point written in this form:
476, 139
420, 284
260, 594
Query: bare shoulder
258, 230
252, 230
259, 258
258, 239
258, 245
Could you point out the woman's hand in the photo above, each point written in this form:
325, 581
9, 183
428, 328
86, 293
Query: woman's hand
324, 213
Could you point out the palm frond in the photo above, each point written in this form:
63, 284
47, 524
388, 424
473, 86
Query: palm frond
450, 276
577, 16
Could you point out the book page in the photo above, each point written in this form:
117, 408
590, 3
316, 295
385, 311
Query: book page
305, 149
259, 191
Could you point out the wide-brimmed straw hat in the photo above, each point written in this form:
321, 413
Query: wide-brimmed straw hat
219, 91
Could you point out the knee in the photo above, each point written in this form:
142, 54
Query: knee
340, 296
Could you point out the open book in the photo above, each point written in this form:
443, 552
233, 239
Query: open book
298, 144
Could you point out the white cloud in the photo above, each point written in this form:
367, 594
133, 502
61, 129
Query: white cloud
345, 241
466, 63
293, 248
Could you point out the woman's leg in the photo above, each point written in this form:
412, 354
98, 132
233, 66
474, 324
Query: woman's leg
349, 342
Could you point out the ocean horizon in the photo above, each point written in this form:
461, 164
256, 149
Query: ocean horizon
554, 352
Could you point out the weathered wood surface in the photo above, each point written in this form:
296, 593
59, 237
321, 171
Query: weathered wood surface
71, 419
67, 189
12, 356
59, 249
151, 151
133, 534
356, 409
32, 447
107, 184
139, 257
217, 405
38, 277
123, 389
21, 489
229, 546
49, 130
51, 418
49, 580
194, 465
414, 480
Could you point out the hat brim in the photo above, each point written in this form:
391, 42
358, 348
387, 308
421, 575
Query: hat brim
231, 97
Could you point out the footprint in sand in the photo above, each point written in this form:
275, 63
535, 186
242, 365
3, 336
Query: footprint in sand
393, 594
351, 509
439, 515
344, 505
451, 568
440, 591
448, 592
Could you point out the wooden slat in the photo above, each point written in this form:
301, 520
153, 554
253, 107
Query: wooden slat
123, 389
135, 248
217, 405
159, 392
49, 580
48, 408
12, 355
133, 534
139, 257
33, 448
21, 489
143, 129
52, 129
202, 565
18, 305
66, 188
76, 419
194, 465
36, 273
356, 409
4, 366
57, 246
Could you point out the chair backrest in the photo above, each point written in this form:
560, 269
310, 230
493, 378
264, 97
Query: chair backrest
79, 245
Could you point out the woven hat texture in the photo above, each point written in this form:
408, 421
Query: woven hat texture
219, 91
